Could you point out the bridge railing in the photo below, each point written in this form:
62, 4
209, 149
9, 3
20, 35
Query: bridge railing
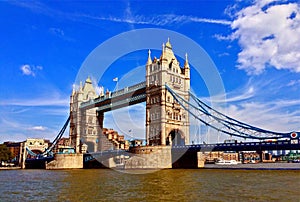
128, 89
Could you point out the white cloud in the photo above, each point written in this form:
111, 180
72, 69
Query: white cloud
269, 35
38, 128
30, 70
26, 70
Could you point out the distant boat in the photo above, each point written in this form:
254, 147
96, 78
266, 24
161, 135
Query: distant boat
226, 162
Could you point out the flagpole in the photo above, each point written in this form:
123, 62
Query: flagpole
116, 79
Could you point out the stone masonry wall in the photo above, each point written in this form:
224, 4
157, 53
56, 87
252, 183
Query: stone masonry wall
66, 161
158, 157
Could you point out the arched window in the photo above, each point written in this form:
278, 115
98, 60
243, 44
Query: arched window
90, 119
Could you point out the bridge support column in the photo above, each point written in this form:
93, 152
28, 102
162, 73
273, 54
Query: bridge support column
261, 155
100, 118
22, 155
201, 159
163, 134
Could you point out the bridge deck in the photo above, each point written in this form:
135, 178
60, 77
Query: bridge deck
243, 146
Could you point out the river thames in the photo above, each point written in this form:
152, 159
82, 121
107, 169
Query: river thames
163, 185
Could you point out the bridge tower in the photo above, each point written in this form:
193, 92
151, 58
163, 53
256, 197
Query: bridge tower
84, 126
167, 123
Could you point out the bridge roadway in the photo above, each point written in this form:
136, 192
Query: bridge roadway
242, 146
118, 99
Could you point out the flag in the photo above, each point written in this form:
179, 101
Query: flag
115, 79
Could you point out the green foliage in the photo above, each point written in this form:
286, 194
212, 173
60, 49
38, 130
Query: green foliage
5, 154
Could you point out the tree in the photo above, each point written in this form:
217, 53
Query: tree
5, 154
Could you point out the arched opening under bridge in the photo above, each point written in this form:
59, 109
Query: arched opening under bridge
175, 138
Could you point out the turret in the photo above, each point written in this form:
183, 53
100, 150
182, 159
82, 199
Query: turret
187, 72
149, 61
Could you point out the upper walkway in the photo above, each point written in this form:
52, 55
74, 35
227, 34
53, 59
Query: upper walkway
118, 99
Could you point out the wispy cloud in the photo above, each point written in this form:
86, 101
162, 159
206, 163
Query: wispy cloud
208, 20
277, 115
16, 130
159, 20
35, 102
127, 119
128, 17
259, 102
294, 83
57, 31
271, 115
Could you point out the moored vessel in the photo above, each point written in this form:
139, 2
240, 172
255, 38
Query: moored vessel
226, 162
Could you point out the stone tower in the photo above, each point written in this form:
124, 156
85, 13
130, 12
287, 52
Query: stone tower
84, 126
167, 123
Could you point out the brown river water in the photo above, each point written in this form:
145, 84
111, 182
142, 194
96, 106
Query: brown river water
163, 185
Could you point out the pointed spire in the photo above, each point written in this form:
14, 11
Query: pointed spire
80, 87
149, 61
88, 80
163, 51
168, 44
73, 89
186, 63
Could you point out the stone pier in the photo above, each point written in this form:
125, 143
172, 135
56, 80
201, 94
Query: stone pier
66, 161
150, 157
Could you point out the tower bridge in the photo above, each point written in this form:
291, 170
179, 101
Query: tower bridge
166, 92
167, 122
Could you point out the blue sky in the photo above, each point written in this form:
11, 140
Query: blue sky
254, 45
